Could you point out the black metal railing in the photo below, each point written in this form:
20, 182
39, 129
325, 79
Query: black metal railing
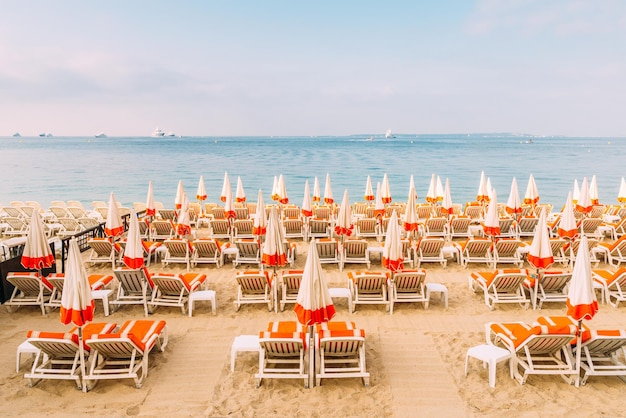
83, 237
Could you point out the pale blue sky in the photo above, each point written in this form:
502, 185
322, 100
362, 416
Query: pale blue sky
313, 68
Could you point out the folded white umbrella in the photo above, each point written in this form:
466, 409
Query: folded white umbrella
226, 189
201, 192
240, 195
150, 207
113, 225
306, 209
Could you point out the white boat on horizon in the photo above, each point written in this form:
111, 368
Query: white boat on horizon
16, 135
101, 135
388, 134
158, 133
170, 133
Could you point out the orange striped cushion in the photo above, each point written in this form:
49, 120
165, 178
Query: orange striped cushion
188, 279
336, 326
268, 334
285, 326
99, 281
342, 333
88, 331
255, 272
137, 331
516, 332
150, 246
565, 324
610, 277
293, 271
608, 333
354, 274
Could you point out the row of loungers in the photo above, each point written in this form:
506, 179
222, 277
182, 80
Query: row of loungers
111, 352
521, 287
140, 287
339, 350
548, 346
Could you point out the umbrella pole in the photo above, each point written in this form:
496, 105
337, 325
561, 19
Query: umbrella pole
578, 349
311, 357
275, 290
536, 290
81, 350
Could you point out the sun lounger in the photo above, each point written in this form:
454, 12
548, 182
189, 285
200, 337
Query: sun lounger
430, 250
459, 227
249, 252
368, 288
354, 251
242, 229
590, 228
167, 214
281, 356
501, 286
368, 228
436, 227
474, 211
173, 289
615, 252
69, 227
219, 228
535, 349
614, 284
294, 228
319, 228
30, 289
208, 251
408, 286
341, 354
289, 286
328, 251
474, 250
179, 251
505, 250
526, 226
552, 287
58, 357
135, 287
15, 227
104, 251
600, 354
558, 251
124, 354
57, 280
162, 229
254, 287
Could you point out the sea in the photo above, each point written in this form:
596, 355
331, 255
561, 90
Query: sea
89, 168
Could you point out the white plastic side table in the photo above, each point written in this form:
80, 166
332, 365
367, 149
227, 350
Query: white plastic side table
243, 343
489, 355
202, 295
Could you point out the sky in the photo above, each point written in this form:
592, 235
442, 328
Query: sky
226, 68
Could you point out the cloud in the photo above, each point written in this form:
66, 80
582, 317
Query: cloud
563, 18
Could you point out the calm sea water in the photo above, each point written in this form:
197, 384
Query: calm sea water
87, 169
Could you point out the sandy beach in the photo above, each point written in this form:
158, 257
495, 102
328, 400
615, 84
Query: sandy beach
415, 357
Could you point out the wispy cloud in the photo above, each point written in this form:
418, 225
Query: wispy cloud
538, 17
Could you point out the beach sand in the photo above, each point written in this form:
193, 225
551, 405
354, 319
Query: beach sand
415, 358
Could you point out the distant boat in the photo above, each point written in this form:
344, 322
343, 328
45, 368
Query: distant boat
388, 134
48, 135
17, 135
170, 133
101, 135
43, 134
158, 133
371, 138
528, 141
